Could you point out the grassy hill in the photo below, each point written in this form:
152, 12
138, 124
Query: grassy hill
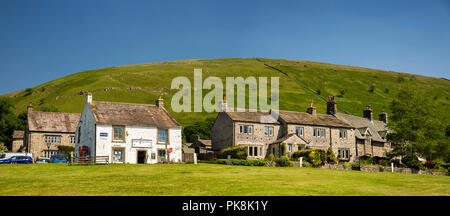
142, 83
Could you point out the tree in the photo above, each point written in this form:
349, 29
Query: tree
200, 128
9, 122
417, 125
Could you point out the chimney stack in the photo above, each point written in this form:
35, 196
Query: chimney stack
30, 107
331, 106
160, 102
311, 110
383, 117
368, 113
89, 98
223, 104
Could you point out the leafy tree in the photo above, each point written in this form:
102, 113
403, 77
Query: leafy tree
3, 148
9, 122
200, 128
417, 125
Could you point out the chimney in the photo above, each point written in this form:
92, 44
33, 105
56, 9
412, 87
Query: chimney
30, 107
89, 98
383, 117
160, 102
368, 114
311, 110
331, 106
223, 104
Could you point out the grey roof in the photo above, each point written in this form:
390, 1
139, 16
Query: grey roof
304, 118
114, 113
250, 116
284, 138
53, 122
377, 129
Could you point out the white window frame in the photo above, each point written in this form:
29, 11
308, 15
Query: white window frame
244, 128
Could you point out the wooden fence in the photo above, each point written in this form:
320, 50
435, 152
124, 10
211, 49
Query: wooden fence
89, 160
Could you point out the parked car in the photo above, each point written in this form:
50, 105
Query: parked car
18, 160
42, 160
58, 158
8, 155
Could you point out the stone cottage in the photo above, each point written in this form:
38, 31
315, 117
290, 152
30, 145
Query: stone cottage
265, 132
128, 133
370, 134
45, 131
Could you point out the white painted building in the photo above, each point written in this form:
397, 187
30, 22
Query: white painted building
128, 133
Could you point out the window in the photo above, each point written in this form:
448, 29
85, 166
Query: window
290, 148
118, 133
318, 132
253, 151
52, 139
245, 129
72, 139
268, 131
162, 135
344, 154
299, 131
50, 153
118, 155
343, 134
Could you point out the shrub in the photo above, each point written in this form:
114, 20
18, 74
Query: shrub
271, 157
315, 157
331, 157
283, 149
243, 162
237, 152
283, 161
412, 161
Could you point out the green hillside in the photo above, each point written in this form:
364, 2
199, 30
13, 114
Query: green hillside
144, 82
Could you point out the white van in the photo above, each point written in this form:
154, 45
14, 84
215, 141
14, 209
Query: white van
7, 155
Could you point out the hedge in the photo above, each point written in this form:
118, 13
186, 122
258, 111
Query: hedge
243, 162
236, 152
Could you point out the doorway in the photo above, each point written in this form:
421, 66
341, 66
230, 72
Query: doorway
141, 157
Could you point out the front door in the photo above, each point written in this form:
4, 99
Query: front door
141, 157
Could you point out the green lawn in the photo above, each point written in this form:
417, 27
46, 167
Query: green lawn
209, 179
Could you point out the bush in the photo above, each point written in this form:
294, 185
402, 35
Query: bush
331, 157
243, 162
412, 161
271, 157
315, 157
284, 161
237, 152
283, 149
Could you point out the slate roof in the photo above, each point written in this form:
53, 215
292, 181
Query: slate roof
284, 138
257, 117
304, 118
378, 129
18, 134
202, 143
53, 122
114, 113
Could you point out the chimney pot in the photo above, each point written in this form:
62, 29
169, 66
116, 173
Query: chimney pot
368, 113
383, 117
311, 110
30, 107
331, 105
160, 102
223, 104
88, 98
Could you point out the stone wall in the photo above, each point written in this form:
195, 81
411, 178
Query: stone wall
37, 145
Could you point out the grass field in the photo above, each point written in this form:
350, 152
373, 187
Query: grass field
209, 180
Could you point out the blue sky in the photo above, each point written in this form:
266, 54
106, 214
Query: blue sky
44, 40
